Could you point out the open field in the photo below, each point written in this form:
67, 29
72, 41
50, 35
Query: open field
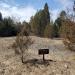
63, 60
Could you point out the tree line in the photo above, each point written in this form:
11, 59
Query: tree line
40, 24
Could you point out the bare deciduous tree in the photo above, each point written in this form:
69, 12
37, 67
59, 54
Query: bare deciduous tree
22, 43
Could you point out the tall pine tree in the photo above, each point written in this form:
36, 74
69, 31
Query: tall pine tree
0, 16
40, 21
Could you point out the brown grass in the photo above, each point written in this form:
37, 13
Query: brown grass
10, 64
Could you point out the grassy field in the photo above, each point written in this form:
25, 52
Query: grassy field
63, 60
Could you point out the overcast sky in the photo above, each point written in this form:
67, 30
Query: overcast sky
23, 9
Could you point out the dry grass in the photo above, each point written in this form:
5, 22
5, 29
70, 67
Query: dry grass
63, 60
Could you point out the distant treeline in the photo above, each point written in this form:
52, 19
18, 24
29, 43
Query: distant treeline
40, 24
7, 27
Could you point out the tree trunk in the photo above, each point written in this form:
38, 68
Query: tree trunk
22, 58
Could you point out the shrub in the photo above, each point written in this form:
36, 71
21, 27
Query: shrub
69, 34
22, 43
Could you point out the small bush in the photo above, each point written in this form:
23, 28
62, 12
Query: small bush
21, 44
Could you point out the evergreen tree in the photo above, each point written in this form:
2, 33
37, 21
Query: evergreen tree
63, 15
47, 14
48, 31
40, 21
35, 24
7, 28
55, 31
1, 16
58, 24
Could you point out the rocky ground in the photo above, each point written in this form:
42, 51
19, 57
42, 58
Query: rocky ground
60, 60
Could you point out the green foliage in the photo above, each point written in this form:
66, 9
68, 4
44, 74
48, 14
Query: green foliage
39, 24
48, 31
55, 31
1, 16
7, 27
47, 14
63, 15
35, 24
40, 21
58, 25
